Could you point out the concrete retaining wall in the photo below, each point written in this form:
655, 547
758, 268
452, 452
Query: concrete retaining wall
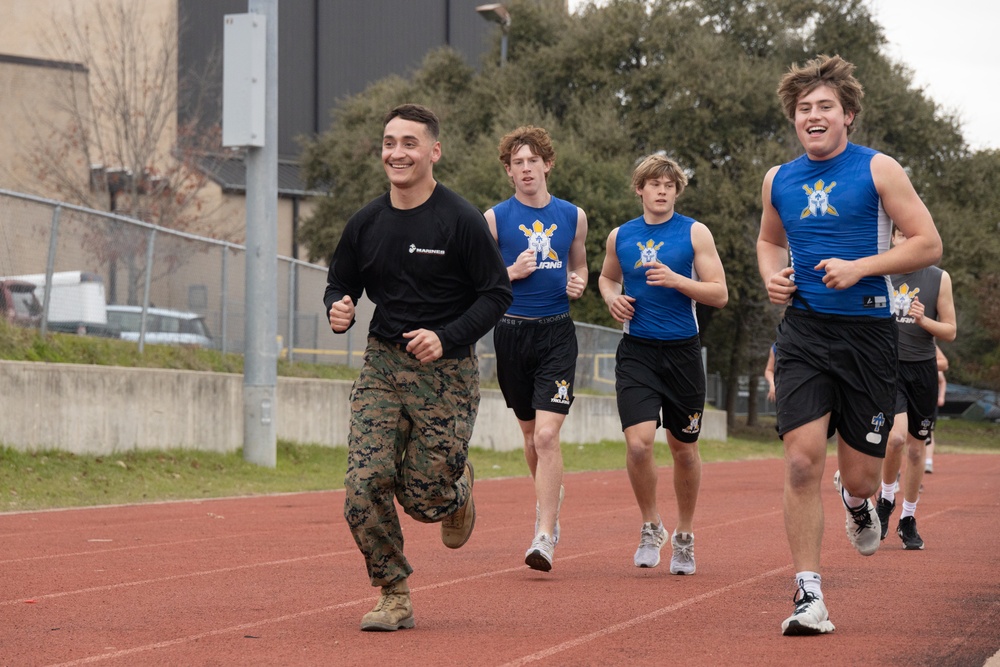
102, 409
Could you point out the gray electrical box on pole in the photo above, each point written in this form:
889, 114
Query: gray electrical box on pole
250, 119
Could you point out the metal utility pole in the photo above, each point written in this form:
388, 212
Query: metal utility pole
260, 370
250, 119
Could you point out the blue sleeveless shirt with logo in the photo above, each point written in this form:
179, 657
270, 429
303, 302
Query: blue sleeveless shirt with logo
550, 231
661, 313
831, 209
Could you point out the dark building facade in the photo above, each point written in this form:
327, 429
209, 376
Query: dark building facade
330, 49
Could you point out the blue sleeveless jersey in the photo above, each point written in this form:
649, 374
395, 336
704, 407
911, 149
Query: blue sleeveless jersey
550, 231
661, 313
830, 208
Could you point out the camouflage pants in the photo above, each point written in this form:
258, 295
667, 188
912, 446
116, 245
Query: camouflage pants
409, 440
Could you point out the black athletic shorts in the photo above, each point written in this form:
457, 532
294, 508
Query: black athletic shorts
844, 366
916, 395
536, 363
661, 377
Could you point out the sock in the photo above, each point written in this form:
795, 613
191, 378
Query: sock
810, 582
889, 492
850, 501
928, 462
909, 509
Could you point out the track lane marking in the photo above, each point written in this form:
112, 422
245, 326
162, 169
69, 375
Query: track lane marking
177, 577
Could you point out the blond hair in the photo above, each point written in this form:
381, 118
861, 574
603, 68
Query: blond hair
659, 166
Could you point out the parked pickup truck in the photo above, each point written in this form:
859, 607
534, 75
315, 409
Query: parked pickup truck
18, 304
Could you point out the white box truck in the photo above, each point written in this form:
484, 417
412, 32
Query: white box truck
77, 302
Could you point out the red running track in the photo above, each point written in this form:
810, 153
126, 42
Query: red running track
277, 580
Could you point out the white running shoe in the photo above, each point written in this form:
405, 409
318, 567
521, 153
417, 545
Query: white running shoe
864, 529
538, 516
836, 481
651, 539
539, 556
682, 561
810, 617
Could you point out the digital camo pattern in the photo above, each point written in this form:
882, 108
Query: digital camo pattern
410, 430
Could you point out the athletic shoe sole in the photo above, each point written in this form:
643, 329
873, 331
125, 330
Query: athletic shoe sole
536, 560
797, 629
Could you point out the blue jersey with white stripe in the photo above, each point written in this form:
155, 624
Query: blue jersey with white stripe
831, 209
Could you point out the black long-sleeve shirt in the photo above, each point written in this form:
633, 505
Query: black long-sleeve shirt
432, 267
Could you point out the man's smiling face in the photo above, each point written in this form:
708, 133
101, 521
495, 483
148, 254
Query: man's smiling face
408, 153
821, 124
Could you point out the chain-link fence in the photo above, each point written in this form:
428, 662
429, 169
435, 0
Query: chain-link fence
83, 261
716, 395
67, 249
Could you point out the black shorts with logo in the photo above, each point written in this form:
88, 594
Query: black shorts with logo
536, 363
844, 366
654, 377
916, 395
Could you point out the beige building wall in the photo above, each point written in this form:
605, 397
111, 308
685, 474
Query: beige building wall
30, 102
45, 29
28, 108
26, 26
30, 29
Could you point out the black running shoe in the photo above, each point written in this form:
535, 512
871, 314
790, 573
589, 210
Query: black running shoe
884, 510
907, 531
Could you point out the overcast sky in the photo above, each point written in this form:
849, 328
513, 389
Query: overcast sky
949, 47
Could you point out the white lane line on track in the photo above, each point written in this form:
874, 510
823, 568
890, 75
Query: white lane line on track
523, 660
279, 619
342, 605
155, 503
624, 625
134, 547
177, 577
289, 617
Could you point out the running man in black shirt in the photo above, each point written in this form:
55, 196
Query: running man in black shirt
426, 258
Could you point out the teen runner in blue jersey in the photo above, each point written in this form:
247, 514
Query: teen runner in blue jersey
657, 268
542, 241
823, 251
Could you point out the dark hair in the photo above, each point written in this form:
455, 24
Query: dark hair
418, 114
834, 72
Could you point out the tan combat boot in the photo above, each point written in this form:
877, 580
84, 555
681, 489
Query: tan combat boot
393, 610
457, 528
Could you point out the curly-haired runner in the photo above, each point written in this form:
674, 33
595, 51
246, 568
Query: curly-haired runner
542, 240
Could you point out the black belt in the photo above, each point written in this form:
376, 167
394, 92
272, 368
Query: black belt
522, 321
460, 352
